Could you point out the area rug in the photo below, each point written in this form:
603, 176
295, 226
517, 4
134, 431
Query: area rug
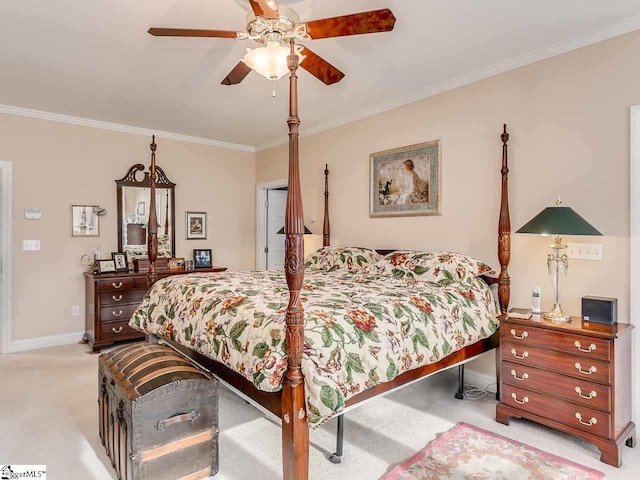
467, 452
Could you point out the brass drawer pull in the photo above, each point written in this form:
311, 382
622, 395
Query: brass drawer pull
521, 402
589, 423
119, 314
589, 349
116, 285
592, 369
117, 330
116, 299
522, 378
520, 337
514, 352
588, 396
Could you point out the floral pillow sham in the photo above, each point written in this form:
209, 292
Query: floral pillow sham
329, 259
441, 268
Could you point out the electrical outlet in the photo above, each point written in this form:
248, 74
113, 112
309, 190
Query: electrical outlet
585, 251
75, 311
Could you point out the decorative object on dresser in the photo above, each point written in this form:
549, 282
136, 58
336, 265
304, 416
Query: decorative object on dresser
202, 257
600, 310
141, 264
574, 377
134, 210
520, 312
558, 221
105, 266
157, 414
120, 260
176, 264
110, 300
275, 27
196, 223
84, 222
406, 181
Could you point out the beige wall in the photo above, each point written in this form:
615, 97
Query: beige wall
56, 165
569, 122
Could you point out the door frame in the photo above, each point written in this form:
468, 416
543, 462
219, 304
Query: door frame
634, 240
261, 218
5, 250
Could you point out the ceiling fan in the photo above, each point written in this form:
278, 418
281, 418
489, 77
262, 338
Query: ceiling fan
275, 27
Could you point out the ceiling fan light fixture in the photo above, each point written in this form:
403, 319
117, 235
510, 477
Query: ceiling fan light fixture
269, 61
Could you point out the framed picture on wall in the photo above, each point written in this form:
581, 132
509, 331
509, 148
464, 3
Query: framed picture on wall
202, 258
141, 209
406, 181
196, 223
84, 222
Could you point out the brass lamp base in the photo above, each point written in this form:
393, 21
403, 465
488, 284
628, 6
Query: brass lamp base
556, 314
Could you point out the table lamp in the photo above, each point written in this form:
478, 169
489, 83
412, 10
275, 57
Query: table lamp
558, 221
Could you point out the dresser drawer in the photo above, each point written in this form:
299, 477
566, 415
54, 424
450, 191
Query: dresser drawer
117, 313
116, 284
565, 342
119, 298
581, 367
567, 413
115, 330
573, 389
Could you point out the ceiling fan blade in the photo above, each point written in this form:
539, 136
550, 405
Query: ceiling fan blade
265, 8
356, 24
237, 75
320, 68
184, 32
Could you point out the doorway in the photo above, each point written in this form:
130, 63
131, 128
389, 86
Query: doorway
5, 256
634, 220
270, 213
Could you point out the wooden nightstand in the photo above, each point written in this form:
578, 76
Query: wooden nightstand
111, 299
574, 377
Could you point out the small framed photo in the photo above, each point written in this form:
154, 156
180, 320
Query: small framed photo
176, 264
196, 225
141, 208
84, 222
120, 260
106, 266
202, 258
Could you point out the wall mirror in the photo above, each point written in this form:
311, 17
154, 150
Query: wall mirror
133, 212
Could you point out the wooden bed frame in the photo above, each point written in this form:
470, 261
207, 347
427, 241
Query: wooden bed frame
289, 403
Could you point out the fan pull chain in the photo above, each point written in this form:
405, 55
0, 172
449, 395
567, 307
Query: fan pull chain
273, 93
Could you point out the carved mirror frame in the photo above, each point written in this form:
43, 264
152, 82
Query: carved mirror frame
130, 180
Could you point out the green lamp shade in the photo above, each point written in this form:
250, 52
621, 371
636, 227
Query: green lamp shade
559, 221
306, 231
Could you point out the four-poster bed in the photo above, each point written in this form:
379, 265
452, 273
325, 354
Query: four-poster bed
290, 403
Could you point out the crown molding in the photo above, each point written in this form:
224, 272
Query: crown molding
604, 33
117, 127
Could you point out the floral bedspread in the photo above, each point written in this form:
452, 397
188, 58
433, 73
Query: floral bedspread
359, 330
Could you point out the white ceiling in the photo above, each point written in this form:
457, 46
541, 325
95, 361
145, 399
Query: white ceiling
93, 58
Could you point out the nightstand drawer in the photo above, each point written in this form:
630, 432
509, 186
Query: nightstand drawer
586, 393
115, 330
119, 298
116, 284
561, 411
117, 313
580, 367
574, 344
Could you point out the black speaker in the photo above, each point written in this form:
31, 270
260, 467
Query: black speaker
600, 310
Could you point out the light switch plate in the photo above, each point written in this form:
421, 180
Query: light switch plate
585, 251
31, 245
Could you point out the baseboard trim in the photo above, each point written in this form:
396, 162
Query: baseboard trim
43, 342
480, 380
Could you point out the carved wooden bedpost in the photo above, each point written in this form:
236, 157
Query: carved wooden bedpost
295, 431
152, 242
326, 229
504, 230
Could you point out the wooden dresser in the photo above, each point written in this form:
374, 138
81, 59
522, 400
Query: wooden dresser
111, 299
574, 377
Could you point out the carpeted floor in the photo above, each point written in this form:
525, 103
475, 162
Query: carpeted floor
48, 415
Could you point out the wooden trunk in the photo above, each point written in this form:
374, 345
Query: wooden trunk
158, 414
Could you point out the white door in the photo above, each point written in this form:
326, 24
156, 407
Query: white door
276, 205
